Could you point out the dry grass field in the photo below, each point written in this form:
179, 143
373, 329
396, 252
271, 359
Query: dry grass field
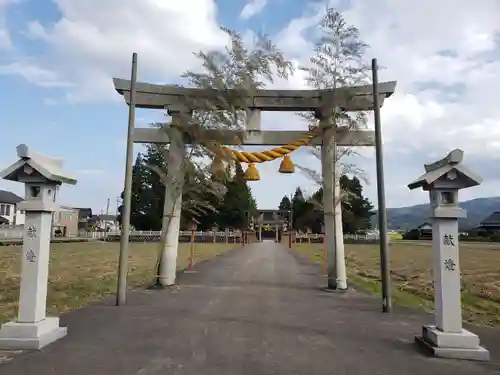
84, 272
411, 274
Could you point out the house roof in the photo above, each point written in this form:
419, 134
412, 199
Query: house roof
84, 213
9, 197
70, 209
425, 224
493, 219
105, 217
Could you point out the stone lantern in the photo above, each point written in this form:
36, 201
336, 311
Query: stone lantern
443, 180
42, 177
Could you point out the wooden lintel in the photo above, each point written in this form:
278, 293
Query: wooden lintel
353, 98
267, 137
358, 103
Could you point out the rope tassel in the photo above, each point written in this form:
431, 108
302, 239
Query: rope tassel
252, 173
286, 165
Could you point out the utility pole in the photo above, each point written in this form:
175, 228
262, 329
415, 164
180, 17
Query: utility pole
382, 212
121, 289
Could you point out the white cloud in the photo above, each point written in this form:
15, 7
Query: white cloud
252, 8
34, 74
5, 37
5, 42
291, 39
87, 48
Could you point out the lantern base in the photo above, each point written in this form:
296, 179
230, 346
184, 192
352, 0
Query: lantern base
463, 345
15, 335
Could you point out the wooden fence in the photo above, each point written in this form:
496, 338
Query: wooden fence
15, 234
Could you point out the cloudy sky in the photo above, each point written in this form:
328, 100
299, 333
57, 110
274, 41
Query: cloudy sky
57, 59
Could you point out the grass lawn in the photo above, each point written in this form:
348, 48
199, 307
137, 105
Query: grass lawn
84, 272
411, 274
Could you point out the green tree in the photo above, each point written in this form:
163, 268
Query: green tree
207, 220
285, 203
299, 209
154, 208
237, 201
143, 198
357, 210
148, 191
315, 217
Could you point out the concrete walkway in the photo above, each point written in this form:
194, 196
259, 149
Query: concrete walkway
255, 311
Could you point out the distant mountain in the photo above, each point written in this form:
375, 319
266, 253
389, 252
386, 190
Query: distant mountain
406, 218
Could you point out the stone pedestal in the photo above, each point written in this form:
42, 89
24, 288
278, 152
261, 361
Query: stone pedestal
457, 345
17, 335
32, 329
447, 338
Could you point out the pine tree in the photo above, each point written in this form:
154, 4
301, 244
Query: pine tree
285, 203
356, 209
237, 202
208, 219
142, 198
154, 156
360, 208
298, 208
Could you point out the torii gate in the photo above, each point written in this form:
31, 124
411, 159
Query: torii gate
321, 102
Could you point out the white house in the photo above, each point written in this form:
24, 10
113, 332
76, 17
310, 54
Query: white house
9, 214
106, 222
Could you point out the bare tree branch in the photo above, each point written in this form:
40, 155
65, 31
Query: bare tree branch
338, 62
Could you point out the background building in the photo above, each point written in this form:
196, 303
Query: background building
65, 222
9, 214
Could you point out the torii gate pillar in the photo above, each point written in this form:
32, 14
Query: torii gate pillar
332, 209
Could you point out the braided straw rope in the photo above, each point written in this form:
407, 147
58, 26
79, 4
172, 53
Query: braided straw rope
269, 155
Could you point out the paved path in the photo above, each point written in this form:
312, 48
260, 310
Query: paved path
254, 311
